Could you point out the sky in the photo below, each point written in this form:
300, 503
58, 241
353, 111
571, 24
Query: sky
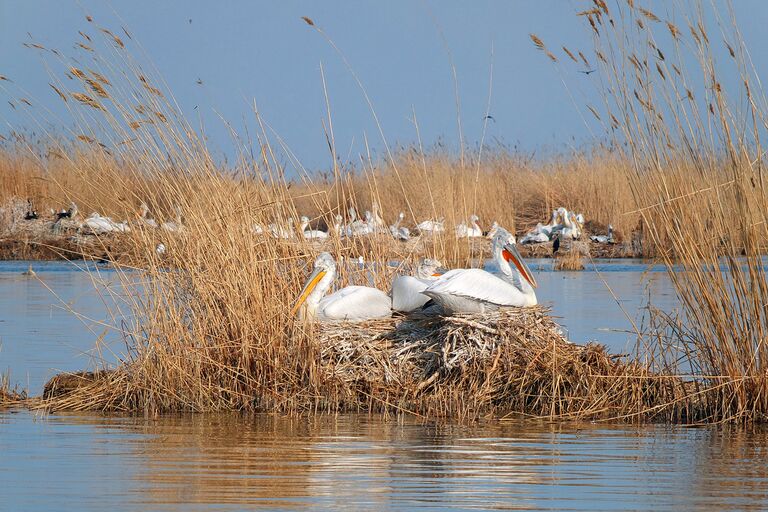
257, 51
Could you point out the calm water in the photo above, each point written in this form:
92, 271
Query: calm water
349, 462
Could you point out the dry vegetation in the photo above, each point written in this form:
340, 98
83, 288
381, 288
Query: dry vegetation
210, 330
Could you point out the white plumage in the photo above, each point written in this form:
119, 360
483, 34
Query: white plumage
469, 231
353, 303
407, 290
478, 291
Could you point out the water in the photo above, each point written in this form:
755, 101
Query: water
350, 462
234, 462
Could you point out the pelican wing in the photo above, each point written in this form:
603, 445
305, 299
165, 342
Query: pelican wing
355, 303
479, 285
406, 293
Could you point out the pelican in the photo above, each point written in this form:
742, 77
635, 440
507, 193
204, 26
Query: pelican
430, 227
571, 228
471, 231
400, 233
477, 291
174, 227
257, 229
100, 225
282, 231
542, 232
406, 290
338, 222
311, 234
353, 303
357, 227
144, 217
604, 239
493, 230
375, 220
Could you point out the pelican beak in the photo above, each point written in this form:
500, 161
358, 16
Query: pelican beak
439, 271
512, 255
310, 285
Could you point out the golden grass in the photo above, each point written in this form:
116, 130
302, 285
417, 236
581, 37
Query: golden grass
209, 326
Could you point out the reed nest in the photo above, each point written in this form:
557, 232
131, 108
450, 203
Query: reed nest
513, 361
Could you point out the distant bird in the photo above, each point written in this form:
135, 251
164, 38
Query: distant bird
586, 72
31, 215
469, 231
311, 234
199, 81
144, 217
603, 239
29, 272
556, 244
398, 232
71, 213
430, 227
489, 117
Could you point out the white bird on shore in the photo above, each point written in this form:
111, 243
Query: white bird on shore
174, 226
543, 232
285, 232
353, 303
604, 239
256, 229
100, 225
311, 234
477, 291
375, 221
357, 227
406, 290
471, 231
144, 217
398, 232
430, 227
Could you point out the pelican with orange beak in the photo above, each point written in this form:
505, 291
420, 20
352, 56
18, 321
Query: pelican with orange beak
353, 303
407, 291
477, 291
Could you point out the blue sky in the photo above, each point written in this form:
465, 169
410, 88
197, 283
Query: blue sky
246, 50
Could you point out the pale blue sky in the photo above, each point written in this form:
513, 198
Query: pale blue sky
246, 50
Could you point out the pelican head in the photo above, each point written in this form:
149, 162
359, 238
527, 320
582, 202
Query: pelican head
429, 268
401, 216
504, 247
143, 210
494, 229
317, 283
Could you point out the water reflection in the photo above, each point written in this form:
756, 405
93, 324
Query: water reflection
355, 462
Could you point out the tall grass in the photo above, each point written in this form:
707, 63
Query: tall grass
696, 176
207, 324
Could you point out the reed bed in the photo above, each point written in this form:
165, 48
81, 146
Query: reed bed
207, 326
506, 363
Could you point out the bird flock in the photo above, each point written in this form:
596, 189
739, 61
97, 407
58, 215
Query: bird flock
431, 289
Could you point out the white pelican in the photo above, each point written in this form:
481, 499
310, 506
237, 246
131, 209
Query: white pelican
477, 291
257, 229
353, 303
356, 226
406, 290
493, 230
311, 234
604, 239
471, 231
430, 227
543, 232
144, 217
278, 230
571, 228
400, 233
100, 225
338, 224
171, 226
375, 221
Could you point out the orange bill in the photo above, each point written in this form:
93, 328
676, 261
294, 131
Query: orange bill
310, 285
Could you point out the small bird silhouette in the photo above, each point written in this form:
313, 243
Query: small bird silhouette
490, 117
586, 72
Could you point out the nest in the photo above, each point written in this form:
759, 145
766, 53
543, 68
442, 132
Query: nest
511, 361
